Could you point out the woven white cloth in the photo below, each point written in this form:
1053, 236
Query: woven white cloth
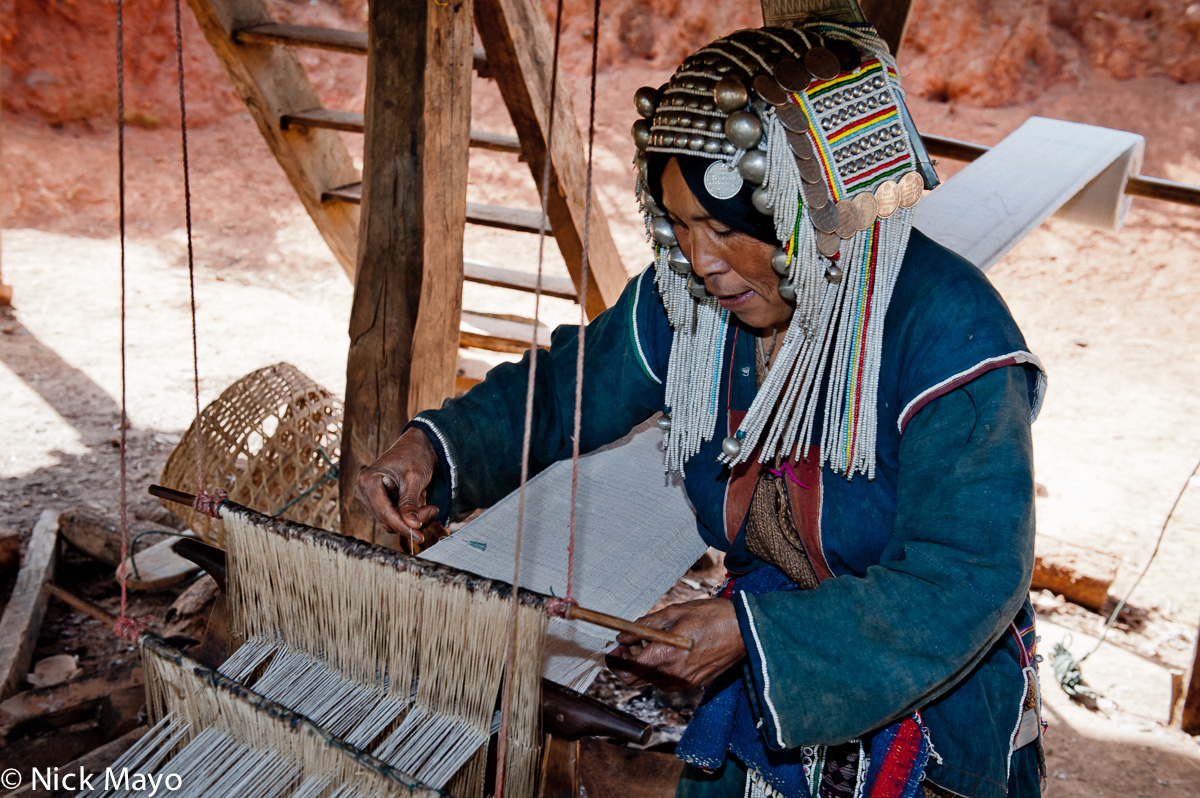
635, 536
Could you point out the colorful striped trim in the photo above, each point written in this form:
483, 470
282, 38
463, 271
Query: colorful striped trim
633, 327
880, 117
821, 146
869, 68
854, 374
880, 173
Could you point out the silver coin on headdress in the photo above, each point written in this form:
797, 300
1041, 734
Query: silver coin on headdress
722, 180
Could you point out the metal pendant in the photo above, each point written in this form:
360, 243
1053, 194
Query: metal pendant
696, 287
732, 447
722, 181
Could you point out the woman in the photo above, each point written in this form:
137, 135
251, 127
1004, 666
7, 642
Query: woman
871, 484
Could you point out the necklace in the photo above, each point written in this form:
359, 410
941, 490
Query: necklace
766, 354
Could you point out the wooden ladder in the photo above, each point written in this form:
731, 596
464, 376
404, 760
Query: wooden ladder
397, 228
256, 52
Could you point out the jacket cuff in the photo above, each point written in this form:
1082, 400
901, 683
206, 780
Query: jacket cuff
443, 485
759, 673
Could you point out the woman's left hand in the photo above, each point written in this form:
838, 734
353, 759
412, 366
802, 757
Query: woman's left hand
716, 644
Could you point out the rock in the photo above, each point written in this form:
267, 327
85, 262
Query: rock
188, 616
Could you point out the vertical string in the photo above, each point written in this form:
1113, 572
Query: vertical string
587, 227
510, 649
125, 627
187, 208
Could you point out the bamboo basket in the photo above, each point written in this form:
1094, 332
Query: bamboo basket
272, 441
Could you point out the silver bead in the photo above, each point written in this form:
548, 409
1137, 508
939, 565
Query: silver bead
645, 100
731, 446
662, 231
641, 134
743, 130
712, 146
649, 204
681, 140
780, 262
833, 273
695, 141
717, 125
678, 262
762, 202
664, 422
753, 167
728, 148
696, 286
787, 291
685, 120
730, 94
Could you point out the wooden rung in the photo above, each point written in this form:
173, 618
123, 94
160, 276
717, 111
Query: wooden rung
517, 219
522, 221
499, 334
352, 122
338, 41
487, 274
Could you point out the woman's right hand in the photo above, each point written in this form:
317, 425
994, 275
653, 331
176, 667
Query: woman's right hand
393, 487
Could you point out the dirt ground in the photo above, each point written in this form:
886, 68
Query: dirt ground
1113, 317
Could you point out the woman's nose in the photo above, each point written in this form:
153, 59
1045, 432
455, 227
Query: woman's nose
706, 258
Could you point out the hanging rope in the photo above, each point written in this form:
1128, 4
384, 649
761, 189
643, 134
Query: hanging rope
125, 627
583, 282
206, 503
506, 691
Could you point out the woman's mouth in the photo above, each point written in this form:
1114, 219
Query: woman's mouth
735, 301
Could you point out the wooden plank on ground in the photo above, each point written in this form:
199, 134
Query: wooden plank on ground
520, 51
486, 274
271, 82
45, 708
352, 122
22, 618
500, 334
408, 296
157, 566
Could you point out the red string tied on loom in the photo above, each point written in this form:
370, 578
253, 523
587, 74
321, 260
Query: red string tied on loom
130, 629
209, 503
559, 607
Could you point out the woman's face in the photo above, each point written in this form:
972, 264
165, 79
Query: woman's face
735, 267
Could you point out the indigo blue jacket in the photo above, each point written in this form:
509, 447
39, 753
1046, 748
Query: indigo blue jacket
923, 604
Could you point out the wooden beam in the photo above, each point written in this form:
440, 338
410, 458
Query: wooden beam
500, 334
486, 274
518, 220
352, 122
408, 296
520, 50
890, 18
23, 615
339, 41
272, 82
45, 708
5, 290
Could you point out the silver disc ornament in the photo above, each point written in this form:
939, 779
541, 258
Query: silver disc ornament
780, 262
678, 262
722, 180
753, 167
645, 100
662, 231
743, 130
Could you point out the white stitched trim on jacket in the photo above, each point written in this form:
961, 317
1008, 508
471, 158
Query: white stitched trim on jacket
982, 366
446, 449
637, 339
766, 676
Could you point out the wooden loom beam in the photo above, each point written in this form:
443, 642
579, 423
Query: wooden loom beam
404, 321
520, 52
5, 290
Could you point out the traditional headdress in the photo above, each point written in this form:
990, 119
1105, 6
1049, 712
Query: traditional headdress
814, 117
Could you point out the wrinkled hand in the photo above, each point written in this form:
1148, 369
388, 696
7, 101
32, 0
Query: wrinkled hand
716, 644
393, 487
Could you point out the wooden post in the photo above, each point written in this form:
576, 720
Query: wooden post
520, 51
272, 82
5, 290
1191, 701
22, 619
890, 18
408, 292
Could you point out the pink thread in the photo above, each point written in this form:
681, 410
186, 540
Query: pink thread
130, 629
209, 503
786, 468
559, 607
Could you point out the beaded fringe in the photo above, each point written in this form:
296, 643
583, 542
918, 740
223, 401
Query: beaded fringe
835, 338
